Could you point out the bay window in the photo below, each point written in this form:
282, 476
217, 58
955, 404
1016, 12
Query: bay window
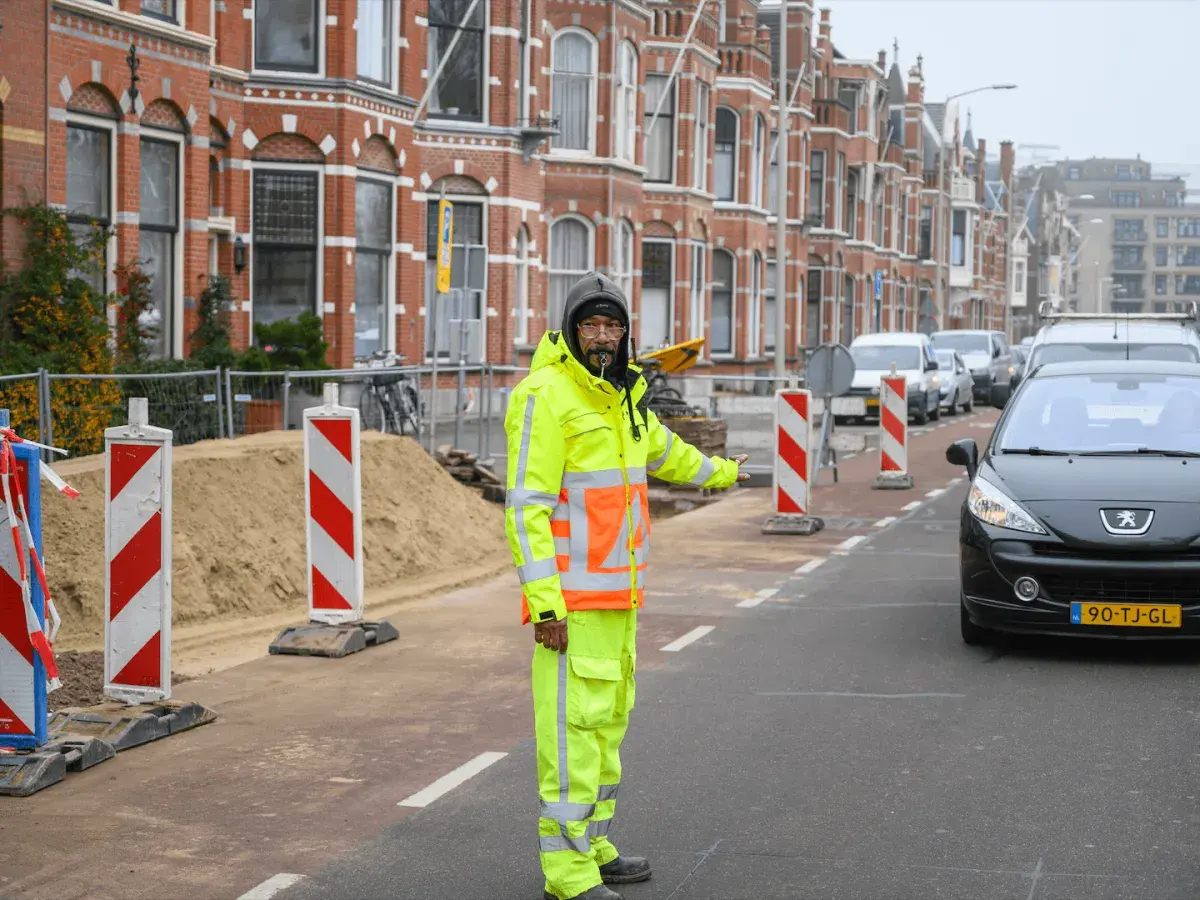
725, 155
286, 242
757, 156
721, 318
459, 91
816, 190
572, 91
623, 267
158, 235
812, 307
287, 35
660, 132
374, 251
769, 301
521, 301
700, 146
754, 315
167, 10
571, 257
375, 47
697, 291
627, 94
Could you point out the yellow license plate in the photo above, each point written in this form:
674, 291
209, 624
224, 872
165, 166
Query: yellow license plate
872, 402
1140, 615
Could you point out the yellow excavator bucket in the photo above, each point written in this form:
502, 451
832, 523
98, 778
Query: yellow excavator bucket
676, 358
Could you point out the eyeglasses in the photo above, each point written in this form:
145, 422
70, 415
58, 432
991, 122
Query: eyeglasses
590, 331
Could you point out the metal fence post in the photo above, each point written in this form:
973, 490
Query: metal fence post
43, 395
45, 378
487, 422
220, 404
287, 390
229, 402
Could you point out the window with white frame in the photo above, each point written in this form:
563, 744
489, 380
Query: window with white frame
721, 317
459, 91
1019, 277
757, 155
286, 243
571, 257
623, 264
700, 145
375, 46
697, 290
812, 307
754, 313
658, 291
572, 90
521, 301
374, 253
287, 35
725, 155
769, 301
816, 191
659, 132
158, 238
167, 10
89, 191
772, 199
459, 314
627, 94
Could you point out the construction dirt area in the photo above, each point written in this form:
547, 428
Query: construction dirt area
239, 555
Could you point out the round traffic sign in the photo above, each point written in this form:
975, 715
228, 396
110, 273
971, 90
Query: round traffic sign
829, 371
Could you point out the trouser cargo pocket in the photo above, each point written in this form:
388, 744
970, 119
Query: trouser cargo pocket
592, 690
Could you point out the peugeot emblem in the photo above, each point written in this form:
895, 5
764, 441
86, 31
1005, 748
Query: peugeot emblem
1127, 521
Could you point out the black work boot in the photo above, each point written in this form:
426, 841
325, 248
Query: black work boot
599, 892
625, 870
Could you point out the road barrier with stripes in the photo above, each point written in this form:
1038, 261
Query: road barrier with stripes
893, 433
137, 554
791, 485
333, 526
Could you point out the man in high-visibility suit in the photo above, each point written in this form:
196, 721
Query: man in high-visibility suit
580, 445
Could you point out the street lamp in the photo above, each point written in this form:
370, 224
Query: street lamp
938, 288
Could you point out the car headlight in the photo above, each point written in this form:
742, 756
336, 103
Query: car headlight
989, 504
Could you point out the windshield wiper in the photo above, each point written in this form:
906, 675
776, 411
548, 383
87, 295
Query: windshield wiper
1142, 451
1035, 451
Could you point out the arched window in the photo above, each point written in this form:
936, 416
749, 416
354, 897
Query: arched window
573, 90
725, 155
627, 94
754, 316
757, 157
521, 297
623, 261
571, 257
721, 318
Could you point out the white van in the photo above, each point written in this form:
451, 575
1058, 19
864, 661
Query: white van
874, 354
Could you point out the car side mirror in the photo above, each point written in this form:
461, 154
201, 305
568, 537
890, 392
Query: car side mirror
931, 366
964, 453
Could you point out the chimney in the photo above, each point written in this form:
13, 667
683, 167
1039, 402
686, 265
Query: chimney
882, 61
825, 26
763, 39
1006, 169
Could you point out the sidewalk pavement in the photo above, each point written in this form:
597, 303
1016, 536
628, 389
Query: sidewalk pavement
310, 756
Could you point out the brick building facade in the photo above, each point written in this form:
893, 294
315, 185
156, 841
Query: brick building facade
298, 147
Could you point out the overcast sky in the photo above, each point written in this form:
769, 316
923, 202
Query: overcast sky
1095, 77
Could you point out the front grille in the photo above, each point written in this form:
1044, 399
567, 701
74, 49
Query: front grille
1122, 589
1111, 554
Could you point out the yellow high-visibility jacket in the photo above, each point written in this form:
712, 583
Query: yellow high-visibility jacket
576, 514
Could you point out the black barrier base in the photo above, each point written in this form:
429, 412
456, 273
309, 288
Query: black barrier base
334, 641
893, 482
27, 772
793, 524
122, 726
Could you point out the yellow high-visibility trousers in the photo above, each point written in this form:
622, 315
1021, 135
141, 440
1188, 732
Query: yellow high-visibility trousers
581, 704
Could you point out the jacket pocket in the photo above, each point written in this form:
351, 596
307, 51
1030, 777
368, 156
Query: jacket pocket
592, 690
588, 422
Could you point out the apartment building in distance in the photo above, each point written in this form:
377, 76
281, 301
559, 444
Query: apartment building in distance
300, 147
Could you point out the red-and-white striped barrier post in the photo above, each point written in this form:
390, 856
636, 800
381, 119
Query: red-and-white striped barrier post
333, 508
893, 433
137, 553
791, 484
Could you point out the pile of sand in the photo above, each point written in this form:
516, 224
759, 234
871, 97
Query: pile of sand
238, 530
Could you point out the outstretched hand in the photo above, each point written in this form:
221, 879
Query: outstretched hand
742, 476
551, 635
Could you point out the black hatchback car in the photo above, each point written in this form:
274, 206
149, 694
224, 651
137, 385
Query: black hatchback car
1083, 516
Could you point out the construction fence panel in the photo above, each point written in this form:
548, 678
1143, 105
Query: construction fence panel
22, 395
82, 406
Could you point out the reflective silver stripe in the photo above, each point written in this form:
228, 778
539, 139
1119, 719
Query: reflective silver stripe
636, 474
657, 463
568, 812
562, 546
522, 471
607, 792
600, 581
518, 497
604, 478
562, 512
563, 782
706, 469
542, 568
561, 842
598, 828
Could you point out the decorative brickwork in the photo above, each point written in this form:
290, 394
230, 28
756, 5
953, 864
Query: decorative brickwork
95, 100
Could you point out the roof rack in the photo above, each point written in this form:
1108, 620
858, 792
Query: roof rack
1046, 311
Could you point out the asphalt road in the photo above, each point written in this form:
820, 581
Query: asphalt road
839, 741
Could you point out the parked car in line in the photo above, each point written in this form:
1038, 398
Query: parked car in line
1020, 356
956, 386
1083, 515
1070, 336
987, 355
874, 355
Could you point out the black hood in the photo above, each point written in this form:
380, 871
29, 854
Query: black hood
595, 286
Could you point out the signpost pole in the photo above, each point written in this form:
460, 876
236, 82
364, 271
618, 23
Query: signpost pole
442, 287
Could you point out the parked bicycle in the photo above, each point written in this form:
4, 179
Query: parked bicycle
390, 401
665, 401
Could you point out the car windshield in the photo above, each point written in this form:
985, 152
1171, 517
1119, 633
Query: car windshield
963, 342
1104, 414
881, 356
945, 360
1076, 352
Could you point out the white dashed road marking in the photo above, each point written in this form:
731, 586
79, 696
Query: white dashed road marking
751, 602
885, 521
271, 886
694, 635
909, 507
936, 492
851, 542
809, 566
451, 780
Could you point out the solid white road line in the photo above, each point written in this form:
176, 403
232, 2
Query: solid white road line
694, 635
909, 507
852, 542
271, 886
936, 492
885, 521
809, 566
451, 780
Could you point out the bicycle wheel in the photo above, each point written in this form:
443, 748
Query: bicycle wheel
410, 405
370, 411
